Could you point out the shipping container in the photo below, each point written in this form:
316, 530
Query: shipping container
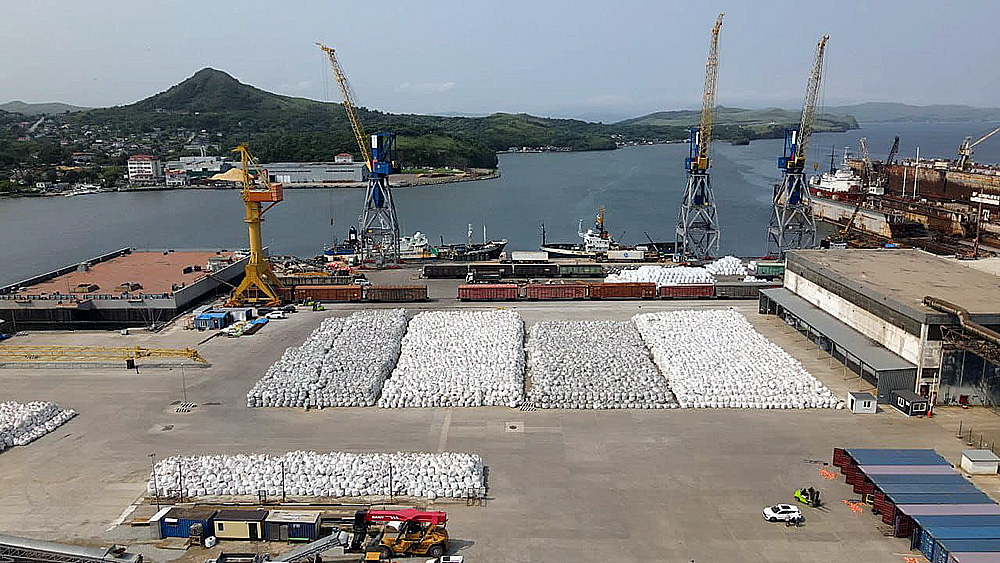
622, 291
529, 256
445, 271
535, 270
396, 293
177, 522
487, 292
770, 268
581, 270
555, 291
687, 291
740, 290
626, 255
328, 293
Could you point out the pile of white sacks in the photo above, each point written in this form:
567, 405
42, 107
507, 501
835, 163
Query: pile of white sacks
593, 365
23, 423
343, 363
715, 358
661, 276
727, 266
335, 474
459, 359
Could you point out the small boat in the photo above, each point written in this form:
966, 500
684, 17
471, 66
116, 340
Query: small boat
596, 241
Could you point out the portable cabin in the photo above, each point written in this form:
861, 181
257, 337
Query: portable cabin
980, 462
177, 522
240, 524
861, 403
213, 320
292, 525
908, 402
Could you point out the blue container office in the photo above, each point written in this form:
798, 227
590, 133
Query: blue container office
177, 522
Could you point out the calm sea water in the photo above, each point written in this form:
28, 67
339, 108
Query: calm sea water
640, 186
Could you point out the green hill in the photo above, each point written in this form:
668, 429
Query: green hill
896, 112
50, 108
737, 124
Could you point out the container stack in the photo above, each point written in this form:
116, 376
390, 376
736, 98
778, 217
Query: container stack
715, 358
23, 423
311, 474
593, 365
342, 364
459, 359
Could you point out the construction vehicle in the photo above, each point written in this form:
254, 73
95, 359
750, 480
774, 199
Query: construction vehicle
259, 285
808, 496
792, 224
965, 149
378, 225
384, 534
697, 230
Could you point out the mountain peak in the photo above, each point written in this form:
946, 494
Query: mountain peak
212, 90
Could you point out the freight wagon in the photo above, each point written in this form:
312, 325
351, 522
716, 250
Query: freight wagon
488, 292
396, 293
581, 271
687, 291
622, 291
535, 270
741, 290
315, 280
445, 271
555, 291
328, 293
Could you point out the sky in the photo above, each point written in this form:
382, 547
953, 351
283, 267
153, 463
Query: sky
585, 58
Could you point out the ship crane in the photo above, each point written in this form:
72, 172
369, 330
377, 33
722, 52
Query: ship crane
965, 149
868, 178
792, 224
697, 221
377, 225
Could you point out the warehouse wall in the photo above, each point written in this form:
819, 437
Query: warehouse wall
897, 340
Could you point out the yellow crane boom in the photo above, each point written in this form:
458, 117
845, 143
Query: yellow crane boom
708, 97
36, 354
809, 106
347, 93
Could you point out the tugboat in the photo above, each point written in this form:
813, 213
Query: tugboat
472, 252
838, 184
596, 241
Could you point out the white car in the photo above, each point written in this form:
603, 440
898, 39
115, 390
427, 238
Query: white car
782, 513
276, 315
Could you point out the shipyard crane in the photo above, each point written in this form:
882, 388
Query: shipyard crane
377, 224
697, 221
259, 284
965, 149
868, 177
792, 224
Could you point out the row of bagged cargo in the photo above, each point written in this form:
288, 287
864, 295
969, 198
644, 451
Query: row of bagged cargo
372, 293
460, 271
515, 292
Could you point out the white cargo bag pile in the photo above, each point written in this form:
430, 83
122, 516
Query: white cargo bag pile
343, 363
716, 359
661, 276
311, 474
593, 365
23, 423
727, 266
459, 359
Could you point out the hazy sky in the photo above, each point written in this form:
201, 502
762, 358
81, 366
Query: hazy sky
585, 58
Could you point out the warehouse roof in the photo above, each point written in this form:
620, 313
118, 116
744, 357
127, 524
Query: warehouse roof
929, 488
900, 278
948, 509
973, 545
936, 479
888, 456
871, 354
871, 470
957, 521
958, 497
963, 532
974, 557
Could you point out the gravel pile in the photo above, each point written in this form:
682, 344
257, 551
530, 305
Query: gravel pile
459, 359
311, 474
593, 365
715, 358
23, 423
343, 363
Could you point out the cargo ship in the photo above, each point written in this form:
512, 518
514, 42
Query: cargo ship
839, 184
597, 243
472, 251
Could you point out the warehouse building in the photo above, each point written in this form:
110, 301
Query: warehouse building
316, 172
866, 307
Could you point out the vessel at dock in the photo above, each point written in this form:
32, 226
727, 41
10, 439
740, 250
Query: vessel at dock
597, 243
472, 251
839, 184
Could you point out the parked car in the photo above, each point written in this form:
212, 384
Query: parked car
276, 315
782, 513
288, 308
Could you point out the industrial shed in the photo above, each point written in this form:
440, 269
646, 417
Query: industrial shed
875, 364
240, 524
292, 525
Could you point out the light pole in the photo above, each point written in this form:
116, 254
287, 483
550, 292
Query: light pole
184, 385
156, 487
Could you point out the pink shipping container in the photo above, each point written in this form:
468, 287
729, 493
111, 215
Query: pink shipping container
555, 291
688, 291
488, 292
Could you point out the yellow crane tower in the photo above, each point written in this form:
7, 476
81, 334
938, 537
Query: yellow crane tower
259, 285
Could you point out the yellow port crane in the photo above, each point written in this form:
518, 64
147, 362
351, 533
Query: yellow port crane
708, 98
965, 149
347, 93
86, 354
259, 283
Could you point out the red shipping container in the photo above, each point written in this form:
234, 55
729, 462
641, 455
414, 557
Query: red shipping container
488, 292
687, 291
328, 292
622, 290
555, 291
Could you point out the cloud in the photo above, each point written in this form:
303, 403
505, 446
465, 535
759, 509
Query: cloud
427, 87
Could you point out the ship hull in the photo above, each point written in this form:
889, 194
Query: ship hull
850, 197
567, 251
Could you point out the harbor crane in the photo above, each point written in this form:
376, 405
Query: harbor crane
697, 221
965, 149
377, 225
259, 283
792, 224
